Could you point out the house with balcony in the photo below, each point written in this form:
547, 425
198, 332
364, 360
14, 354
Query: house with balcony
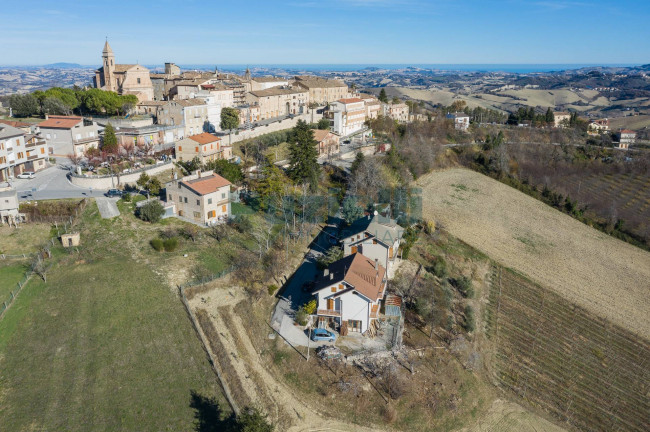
349, 294
20, 152
376, 237
66, 135
202, 197
205, 146
347, 116
461, 120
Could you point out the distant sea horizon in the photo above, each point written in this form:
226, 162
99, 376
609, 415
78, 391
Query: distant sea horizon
343, 67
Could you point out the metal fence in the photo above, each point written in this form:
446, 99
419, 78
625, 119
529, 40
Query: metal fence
35, 256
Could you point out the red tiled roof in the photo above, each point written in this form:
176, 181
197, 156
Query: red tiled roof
320, 135
350, 100
14, 123
627, 131
204, 138
206, 185
60, 122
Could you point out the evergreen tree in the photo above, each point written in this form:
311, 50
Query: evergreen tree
382, 96
350, 211
550, 117
303, 154
109, 143
271, 184
358, 160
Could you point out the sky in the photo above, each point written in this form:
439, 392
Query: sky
260, 32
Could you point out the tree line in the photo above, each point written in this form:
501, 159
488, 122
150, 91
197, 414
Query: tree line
67, 101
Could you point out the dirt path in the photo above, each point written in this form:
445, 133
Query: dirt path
260, 387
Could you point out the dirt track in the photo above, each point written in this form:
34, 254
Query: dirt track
605, 275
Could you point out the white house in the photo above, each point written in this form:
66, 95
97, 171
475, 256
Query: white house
376, 237
349, 294
202, 197
461, 120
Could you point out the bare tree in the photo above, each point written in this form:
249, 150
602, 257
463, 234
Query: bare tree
38, 266
74, 158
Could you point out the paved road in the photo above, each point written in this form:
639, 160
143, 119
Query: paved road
51, 183
293, 296
107, 207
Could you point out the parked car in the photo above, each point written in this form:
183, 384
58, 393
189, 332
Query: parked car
113, 193
26, 175
320, 334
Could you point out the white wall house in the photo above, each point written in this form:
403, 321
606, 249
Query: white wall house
349, 294
376, 237
348, 116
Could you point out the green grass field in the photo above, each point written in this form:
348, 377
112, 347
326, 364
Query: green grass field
11, 272
105, 344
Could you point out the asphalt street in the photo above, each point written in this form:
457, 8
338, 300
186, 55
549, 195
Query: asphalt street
51, 183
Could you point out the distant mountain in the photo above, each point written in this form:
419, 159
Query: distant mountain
63, 66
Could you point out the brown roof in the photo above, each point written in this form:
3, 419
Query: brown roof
350, 100
16, 124
121, 68
627, 131
206, 185
320, 135
204, 138
190, 102
268, 79
275, 91
359, 272
60, 122
315, 82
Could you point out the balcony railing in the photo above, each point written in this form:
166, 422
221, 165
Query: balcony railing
328, 312
32, 157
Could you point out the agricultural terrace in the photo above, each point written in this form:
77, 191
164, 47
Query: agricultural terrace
599, 273
105, 344
586, 372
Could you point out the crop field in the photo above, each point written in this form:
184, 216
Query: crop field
629, 194
591, 269
560, 358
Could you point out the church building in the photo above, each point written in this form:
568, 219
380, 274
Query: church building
123, 78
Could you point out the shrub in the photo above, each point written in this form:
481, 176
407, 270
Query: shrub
252, 420
333, 254
272, 289
310, 307
301, 316
151, 211
464, 285
157, 244
469, 319
439, 267
170, 244
126, 197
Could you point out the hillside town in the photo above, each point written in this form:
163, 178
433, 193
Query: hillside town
380, 249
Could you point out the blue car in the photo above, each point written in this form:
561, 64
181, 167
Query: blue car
320, 334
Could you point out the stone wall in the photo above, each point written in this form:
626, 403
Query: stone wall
108, 182
287, 123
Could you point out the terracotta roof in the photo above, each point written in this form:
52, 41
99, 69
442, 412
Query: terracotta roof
359, 272
316, 82
16, 124
206, 185
268, 79
627, 131
204, 138
190, 102
349, 100
152, 103
121, 68
320, 135
60, 122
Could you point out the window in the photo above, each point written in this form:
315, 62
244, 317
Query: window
197, 215
180, 148
198, 202
330, 304
185, 200
223, 195
333, 289
209, 200
196, 149
224, 209
169, 197
354, 326
42, 150
138, 80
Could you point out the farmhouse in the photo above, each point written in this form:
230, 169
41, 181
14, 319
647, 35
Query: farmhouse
461, 120
203, 197
204, 146
561, 118
625, 138
376, 237
349, 294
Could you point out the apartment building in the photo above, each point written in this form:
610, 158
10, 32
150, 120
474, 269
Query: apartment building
191, 113
399, 112
203, 197
347, 116
20, 152
204, 146
263, 83
66, 135
373, 106
279, 101
321, 90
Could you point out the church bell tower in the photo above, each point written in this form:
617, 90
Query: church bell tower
108, 63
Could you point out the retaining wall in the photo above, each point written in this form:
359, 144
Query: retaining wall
108, 182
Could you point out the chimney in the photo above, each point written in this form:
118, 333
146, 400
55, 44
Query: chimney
331, 276
198, 173
326, 272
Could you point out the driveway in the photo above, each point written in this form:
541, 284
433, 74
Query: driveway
51, 183
107, 207
292, 296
